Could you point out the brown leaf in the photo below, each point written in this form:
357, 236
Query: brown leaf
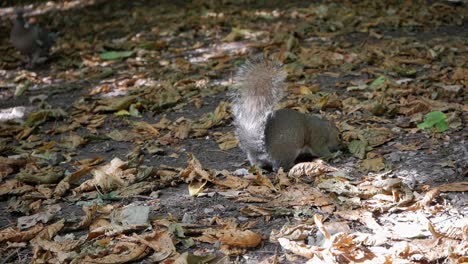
310, 169
231, 182
15, 235
302, 194
227, 141
454, 187
408, 147
129, 252
194, 170
262, 180
14, 187
8, 166
109, 177
64, 185
161, 242
375, 164
114, 104
238, 238
47, 175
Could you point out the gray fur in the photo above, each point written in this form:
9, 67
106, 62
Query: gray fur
31, 40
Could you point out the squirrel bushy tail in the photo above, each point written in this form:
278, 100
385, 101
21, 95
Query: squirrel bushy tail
259, 88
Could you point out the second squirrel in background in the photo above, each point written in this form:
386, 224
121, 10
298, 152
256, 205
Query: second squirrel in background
276, 138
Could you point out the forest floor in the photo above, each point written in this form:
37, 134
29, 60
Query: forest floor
120, 148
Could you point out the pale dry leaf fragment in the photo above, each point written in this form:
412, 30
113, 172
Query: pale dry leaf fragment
261, 191
114, 104
130, 215
213, 119
64, 185
8, 166
232, 251
298, 232
111, 230
365, 217
374, 164
299, 248
73, 141
456, 231
59, 246
145, 129
414, 226
182, 130
45, 216
426, 200
45, 190
195, 187
311, 169
252, 210
348, 247
270, 260
90, 213
129, 252
113, 175
408, 147
377, 136
431, 229
302, 194
50, 231
262, 180
460, 74
227, 141
110, 177
230, 181
282, 178
136, 189
123, 135
161, 242
46, 175
318, 220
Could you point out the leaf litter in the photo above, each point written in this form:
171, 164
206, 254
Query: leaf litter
121, 148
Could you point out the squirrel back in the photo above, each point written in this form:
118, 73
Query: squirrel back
273, 139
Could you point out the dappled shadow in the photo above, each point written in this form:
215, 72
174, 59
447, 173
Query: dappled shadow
163, 96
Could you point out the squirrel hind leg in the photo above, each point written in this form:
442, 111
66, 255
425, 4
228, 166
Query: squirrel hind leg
285, 159
305, 157
288, 161
260, 160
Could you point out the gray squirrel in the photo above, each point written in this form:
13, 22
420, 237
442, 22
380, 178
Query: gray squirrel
31, 40
275, 138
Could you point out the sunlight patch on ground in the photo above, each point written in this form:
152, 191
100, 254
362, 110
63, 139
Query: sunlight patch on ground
13, 113
216, 51
46, 7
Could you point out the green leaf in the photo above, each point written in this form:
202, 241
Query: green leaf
39, 117
435, 119
407, 72
112, 196
122, 113
115, 55
133, 111
377, 83
21, 88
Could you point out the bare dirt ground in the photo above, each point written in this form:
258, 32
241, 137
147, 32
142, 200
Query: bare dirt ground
158, 108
